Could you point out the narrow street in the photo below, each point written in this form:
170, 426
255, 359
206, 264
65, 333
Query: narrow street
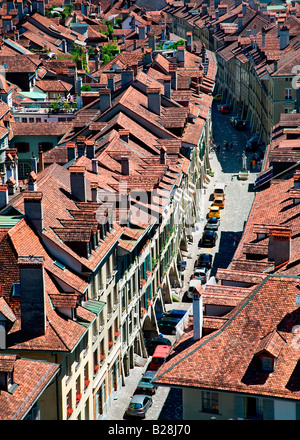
167, 403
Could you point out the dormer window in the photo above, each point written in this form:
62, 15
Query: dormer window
267, 363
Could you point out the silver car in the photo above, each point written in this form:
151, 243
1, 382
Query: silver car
200, 274
139, 405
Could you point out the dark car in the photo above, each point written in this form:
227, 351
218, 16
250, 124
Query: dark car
240, 124
175, 313
204, 260
252, 144
145, 385
209, 238
139, 405
212, 224
167, 325
152, 343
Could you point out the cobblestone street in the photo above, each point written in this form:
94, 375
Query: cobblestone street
167, 405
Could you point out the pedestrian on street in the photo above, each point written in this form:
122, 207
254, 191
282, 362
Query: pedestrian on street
235, 240
258, 165
251, 165
231, 145
218, 148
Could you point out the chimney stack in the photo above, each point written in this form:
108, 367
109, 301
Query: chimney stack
263, 37
126, 76
105, 99
32, 291
142, 31
197, 312
32, 182
90, 149
94, 191
167, 86
95, 165
181, 55
151, 40
173, 73
163, 155
279, 244
71, 151
78, 184
3, 196
125, 165
34, 209
81, 146
154, 99
189, 41
111, 81
284, 36
41, 159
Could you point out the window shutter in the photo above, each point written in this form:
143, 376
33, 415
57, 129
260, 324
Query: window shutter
239, 408
269, 409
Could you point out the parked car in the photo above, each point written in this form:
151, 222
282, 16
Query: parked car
204, 260
219, 201
225, 108
152, 343
252, 144
214, 212
240, 124
192, 285
145, 385
139, 405
218, 97
175, 313
209, 238
212, 223
159, 356
200, 274
167, 324
233, 118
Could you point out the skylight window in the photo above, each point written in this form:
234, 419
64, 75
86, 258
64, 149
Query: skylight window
59, 264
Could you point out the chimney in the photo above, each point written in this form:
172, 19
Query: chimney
124, 135
263, 37
149, 26
148, 55
284, 36
240, 22
197, 312
142, 31
262, 8
111, 81
254, 31
151, 39
173, 73
94, 191
78, 185
95, 165
71, 151
154, 99
78, 85
32, 182
33, 207
125, 165
280, 22
167, 86
180, 55
41, 159
105, 99
189, 41
90, 149
244, 9
126, 77
32, 292
163, 156
3, 196
279, 244
81, 146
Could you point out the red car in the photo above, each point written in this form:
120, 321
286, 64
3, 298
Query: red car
225, 108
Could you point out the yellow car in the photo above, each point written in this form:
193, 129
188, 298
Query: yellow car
214, 212
219, 201
218, 97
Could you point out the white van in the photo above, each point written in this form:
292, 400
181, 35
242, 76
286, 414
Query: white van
219, 190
